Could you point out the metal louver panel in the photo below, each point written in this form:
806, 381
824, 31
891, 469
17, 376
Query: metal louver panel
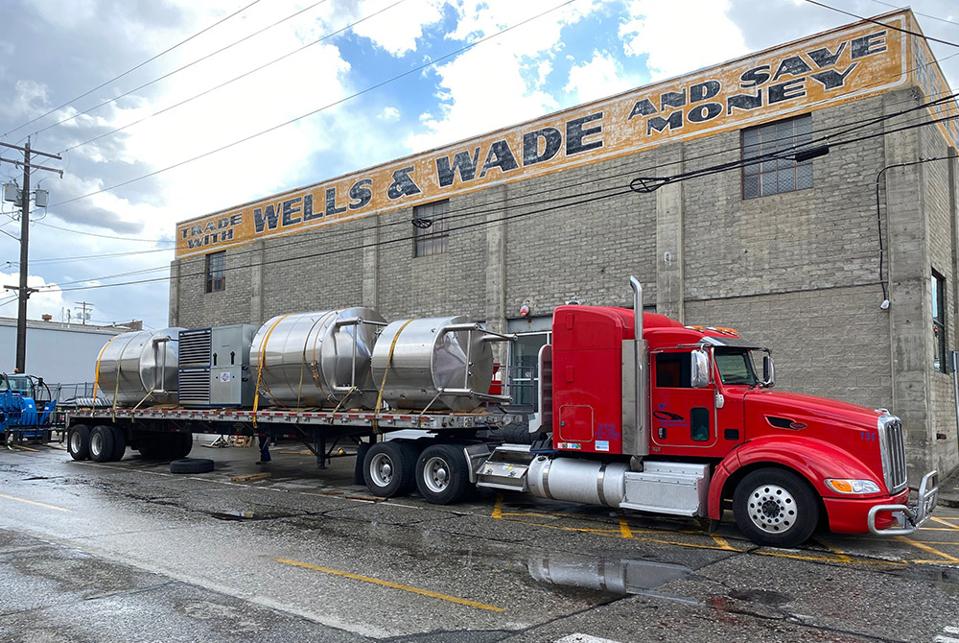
195, 353
195, 348
194, 386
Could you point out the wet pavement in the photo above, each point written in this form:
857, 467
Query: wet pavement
128, 552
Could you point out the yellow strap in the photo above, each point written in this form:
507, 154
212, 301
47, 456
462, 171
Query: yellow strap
96, 373
389, 365
261, 362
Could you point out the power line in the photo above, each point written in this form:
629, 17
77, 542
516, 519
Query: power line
919, 13
132, 69
181, 68
233, 80
465, 226
480, 208
882, 24
102, 236
375, 86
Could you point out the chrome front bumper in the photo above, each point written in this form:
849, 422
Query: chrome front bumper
910, 518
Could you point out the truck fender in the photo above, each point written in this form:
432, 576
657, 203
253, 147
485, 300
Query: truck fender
813, 459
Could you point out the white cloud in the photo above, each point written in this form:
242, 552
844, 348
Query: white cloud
43, 302
397, 29
599, 77
390, 113
503, 81
705, 35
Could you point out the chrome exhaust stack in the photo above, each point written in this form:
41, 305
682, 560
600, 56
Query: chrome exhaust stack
640, 443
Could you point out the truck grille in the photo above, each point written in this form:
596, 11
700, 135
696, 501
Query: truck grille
893, 445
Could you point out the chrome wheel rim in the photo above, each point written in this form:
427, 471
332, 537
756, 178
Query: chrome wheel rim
436, 475
75, 442
772, 509
96, 444
381, 470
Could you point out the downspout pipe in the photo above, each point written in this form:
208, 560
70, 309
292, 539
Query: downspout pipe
642, 371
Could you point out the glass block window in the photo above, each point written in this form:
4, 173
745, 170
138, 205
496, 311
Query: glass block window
216, 272
776, 175
430, 229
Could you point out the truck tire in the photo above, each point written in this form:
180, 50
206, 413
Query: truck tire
775, 507
101, 443
180, 445
388, 469
361, 450
119, 444
442, 474
191, 465
78, 441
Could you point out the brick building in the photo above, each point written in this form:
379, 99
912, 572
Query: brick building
791, 251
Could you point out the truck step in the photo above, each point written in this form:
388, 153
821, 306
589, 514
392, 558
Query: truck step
506, 468
674, 488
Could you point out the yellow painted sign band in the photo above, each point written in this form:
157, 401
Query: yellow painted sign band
834, 67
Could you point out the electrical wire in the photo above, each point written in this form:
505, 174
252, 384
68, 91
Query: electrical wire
234, 79
132, 69
179, 69
482, 209
413, 70
465, 226
102, 236
919, 13
883, 24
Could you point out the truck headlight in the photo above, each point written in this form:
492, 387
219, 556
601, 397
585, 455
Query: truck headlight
852, 486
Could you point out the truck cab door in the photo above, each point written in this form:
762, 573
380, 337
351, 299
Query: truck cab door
682, 417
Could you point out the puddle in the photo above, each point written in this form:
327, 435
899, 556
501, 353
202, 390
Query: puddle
237, 516
617, 576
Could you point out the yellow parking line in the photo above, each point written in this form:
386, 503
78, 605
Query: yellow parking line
928, 549
34, 503
946, 523
498, 508
624, 529
722, 542
391, 585
840, 554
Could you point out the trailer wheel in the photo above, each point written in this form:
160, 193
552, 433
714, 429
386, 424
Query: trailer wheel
78, 441
442, 476
180, 445
101, 443
775, 507
388, 469
119, 444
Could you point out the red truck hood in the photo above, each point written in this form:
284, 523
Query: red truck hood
806, 405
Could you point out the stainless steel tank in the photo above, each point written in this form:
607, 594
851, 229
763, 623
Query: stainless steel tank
318, 358
139, 367
431, 354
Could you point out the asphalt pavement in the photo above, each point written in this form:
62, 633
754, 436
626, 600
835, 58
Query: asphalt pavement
129, 552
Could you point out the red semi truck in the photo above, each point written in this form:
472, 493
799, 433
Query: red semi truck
637, 412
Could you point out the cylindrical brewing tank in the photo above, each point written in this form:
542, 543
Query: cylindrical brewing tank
572, 480
139, 367
418, 357
309, 359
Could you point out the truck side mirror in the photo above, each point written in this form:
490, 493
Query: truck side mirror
769, 371
698, 368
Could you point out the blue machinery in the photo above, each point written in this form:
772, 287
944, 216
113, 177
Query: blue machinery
20, 418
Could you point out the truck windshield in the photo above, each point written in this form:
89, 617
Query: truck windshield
735, 366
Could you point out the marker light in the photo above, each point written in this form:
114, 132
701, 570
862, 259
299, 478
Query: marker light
852, 486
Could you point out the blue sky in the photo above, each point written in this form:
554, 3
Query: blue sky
54, 50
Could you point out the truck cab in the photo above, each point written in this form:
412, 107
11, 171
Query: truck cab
661, 417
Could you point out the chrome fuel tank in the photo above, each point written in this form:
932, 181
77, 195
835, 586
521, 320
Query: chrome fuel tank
419, 357
139, 367
317, 358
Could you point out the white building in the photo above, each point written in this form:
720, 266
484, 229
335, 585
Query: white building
60, 353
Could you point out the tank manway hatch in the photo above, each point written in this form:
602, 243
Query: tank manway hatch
214, 366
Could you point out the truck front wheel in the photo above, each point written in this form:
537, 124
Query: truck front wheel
775, 507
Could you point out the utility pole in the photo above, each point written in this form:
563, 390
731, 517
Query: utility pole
84, 305
24, 292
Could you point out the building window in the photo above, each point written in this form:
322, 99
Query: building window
939, 322
430, 231
215, 272
780, 174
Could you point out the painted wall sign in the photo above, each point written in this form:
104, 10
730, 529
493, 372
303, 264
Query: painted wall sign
827, 69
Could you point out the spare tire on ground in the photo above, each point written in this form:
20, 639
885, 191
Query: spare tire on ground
191, 465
